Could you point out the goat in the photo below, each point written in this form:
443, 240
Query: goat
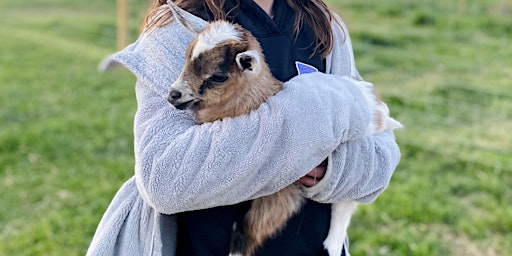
225, 75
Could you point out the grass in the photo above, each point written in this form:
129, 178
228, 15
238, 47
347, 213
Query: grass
438, 66
66, 139
66, 130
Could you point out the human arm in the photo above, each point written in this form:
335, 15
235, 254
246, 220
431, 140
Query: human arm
166, 166
358, 170
182, 166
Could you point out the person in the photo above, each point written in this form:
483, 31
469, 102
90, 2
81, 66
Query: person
192, 181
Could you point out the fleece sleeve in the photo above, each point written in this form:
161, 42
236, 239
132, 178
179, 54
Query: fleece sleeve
181, 166
358, 170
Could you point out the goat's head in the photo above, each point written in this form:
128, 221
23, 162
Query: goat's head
224, 74
220, 60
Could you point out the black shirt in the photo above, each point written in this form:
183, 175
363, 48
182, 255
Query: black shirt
208, 232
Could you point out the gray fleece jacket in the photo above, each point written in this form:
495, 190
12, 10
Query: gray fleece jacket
181, 166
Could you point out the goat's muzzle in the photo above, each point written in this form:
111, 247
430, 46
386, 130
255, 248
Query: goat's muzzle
180, 101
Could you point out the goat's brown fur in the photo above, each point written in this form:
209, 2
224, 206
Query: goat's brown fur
269, 214
238, 95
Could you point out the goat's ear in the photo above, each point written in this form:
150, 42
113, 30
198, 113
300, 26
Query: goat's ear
193, 23
248, 61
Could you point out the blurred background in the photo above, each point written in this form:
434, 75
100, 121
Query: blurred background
443, 67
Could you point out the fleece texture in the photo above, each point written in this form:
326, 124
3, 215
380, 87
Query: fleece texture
181, 166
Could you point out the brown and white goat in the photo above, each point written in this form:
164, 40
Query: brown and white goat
225, 75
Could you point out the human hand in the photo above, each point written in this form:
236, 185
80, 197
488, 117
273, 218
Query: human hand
315, 175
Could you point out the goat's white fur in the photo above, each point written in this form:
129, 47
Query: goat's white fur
340, 219
214, 36
377, 106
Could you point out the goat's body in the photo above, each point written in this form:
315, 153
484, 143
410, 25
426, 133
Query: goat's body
268, 214
228, 78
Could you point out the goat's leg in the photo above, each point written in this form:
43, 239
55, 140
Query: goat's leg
340, 219
269, 214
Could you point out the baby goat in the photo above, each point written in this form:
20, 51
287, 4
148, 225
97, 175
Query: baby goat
225, 75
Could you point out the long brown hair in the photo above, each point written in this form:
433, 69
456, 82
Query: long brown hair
314, 12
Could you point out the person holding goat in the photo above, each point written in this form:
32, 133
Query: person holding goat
192, 182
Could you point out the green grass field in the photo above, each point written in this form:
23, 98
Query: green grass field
444, 69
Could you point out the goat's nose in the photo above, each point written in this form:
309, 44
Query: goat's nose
174, 95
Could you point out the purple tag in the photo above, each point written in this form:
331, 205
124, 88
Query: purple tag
303, 68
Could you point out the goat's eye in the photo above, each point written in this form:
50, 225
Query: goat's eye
218, 77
